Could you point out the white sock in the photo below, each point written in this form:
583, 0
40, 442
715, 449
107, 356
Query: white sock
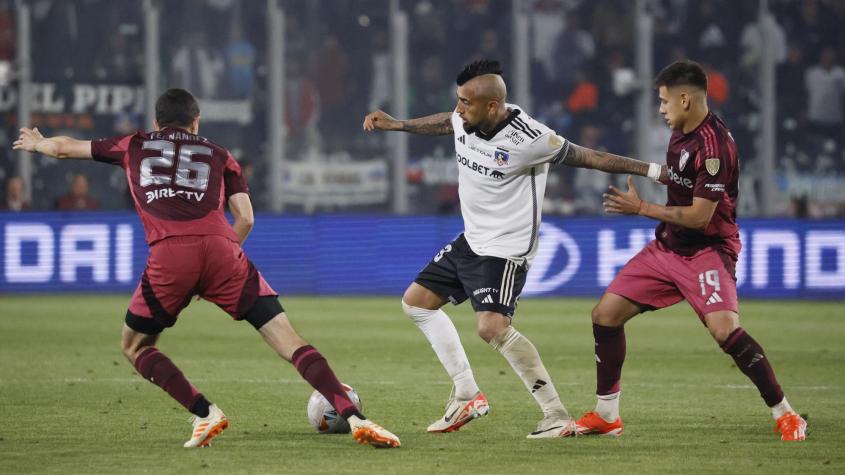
444, 339
607, 406
781, 408
525, 361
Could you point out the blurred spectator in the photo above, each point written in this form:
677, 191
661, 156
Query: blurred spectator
584, 98
708, 35
825, 83
433, 89
792, 96
15, 197
718, 87
448, 201
380, 84
433, 93
799, 206
430, 30
247, 170
126, 123
331, 68
755, 39
814, 24
790, 83
302, 107
488, 47
240, 64
77, 198
122, 61
547, 21
574, 50
612, 25
197, 67
7, 31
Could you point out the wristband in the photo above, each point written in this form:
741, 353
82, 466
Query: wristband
654, 171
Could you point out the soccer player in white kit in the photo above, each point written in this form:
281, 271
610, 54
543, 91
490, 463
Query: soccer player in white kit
503, 158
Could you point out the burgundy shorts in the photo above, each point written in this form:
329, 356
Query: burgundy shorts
658, 278
212, 267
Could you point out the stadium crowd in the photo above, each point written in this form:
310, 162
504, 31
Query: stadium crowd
339, 66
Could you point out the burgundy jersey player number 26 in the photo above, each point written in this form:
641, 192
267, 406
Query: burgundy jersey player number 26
180, 183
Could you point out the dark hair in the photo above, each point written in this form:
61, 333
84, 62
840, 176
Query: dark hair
478, 68
176, 107
682, 73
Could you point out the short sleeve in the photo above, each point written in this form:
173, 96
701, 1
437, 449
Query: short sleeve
233, 179
111, 150
713, 173
548, 148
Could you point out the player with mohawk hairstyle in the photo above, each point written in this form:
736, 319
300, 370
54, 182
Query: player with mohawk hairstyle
503, 157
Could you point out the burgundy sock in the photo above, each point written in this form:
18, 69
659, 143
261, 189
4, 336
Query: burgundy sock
610, 354
752, 361
315, 369
154, 366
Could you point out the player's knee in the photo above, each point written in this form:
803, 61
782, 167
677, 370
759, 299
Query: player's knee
418, 315
132, 349
408, 298
721, 333
409, 310
601, 316
487, 333
721, 325
488, 329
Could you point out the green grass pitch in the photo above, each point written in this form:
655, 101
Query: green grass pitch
70, 403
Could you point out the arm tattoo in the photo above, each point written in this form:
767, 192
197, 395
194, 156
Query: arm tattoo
435, 124
583, 157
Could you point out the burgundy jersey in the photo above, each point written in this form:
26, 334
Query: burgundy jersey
703, 164
180, 182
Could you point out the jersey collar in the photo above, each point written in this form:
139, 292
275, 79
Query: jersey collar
489, 136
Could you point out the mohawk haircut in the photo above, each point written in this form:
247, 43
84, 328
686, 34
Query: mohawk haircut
176, 107
479, 68
682, 73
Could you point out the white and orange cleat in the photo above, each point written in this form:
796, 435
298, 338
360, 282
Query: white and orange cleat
460, 412
207, 428
592, 423
367, 432
791, 427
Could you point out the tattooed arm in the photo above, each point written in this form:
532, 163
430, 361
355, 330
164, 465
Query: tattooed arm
435, 124
583, 157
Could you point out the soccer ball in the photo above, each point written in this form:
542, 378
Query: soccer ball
324, 418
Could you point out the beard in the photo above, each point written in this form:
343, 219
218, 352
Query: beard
470, 129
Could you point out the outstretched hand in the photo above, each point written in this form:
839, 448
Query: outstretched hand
618, 202
380, 120
28, 140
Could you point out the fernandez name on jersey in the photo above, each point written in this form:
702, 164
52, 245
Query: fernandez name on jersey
501, 183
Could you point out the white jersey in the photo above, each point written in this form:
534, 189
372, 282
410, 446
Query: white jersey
502, 181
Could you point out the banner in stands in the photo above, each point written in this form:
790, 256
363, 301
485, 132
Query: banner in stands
380, 255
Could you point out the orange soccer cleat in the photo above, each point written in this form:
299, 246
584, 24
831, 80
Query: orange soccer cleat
460, 412
367, 432
207, 428
592, 423
791, 426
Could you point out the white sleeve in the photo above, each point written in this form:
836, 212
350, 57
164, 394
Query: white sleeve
547, 148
